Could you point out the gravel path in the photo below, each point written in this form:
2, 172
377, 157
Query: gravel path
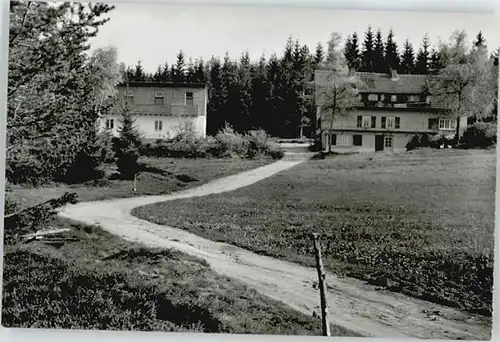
353, 304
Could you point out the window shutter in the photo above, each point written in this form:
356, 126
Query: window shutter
382, 122
360, 120
160, 125
397, 122
374, 121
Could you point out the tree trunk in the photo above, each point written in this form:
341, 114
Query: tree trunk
331, 120
457, 132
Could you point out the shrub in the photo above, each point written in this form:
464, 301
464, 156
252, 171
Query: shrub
105, 152
427, 140
229, 144
226, 144
480, 135
316, 146
259, 145
127, 147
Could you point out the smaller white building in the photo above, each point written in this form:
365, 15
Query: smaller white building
161, 110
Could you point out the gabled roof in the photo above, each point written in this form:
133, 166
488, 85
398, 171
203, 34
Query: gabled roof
383, 83
407, 84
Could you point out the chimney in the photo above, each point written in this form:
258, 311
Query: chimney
394, 75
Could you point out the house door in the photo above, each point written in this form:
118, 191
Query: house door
379, 143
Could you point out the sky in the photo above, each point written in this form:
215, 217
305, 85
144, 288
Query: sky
155, 33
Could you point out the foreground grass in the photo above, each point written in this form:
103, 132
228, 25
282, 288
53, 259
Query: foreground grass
90, 279
162, 176
421, 223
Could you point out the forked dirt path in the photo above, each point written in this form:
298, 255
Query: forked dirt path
353, 304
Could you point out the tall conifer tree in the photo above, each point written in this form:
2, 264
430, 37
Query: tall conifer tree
422, 61
379, 64
368, 51
407, 59
391, 52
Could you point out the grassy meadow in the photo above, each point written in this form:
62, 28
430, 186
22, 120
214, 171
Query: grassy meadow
420, 223
160, 176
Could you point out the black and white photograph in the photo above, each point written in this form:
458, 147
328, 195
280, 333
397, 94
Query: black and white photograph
264, 170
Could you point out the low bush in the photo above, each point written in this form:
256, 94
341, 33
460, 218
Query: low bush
316, 146
226, 144
428, 141
79, 298
480, 135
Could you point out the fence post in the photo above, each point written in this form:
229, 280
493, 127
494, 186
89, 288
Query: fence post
322, 285
135, 183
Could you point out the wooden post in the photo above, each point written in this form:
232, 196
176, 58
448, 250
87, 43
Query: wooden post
322, 285
135, 183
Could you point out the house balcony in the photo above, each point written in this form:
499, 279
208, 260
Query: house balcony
393, 106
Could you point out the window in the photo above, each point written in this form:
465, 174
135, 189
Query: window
158, 125
394, 98
446, 124
390, 122
374, 121
382, 97
367, 121
158, 97
412, 98
382, 122
397, 122
357, 140
433, 124
388, 141
334, 139
110, 123
360, 121
428, 99
189, 99
373, 97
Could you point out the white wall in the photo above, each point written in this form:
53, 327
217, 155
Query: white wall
170, 125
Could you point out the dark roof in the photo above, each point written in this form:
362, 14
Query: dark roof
164, 85
383, 83
374, 83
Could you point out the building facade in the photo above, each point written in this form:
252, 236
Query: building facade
389, 111
161, 110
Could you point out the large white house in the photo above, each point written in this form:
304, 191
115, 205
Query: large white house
391, 109
161, 109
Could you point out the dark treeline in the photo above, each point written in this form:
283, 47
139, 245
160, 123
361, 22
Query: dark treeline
271, 93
